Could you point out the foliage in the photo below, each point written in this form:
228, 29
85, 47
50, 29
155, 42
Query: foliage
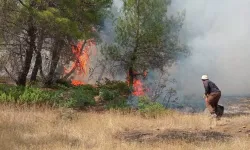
26, 25
63, 83
6, 98
114, 93
74, 97
30, 95
118, 103
108, 95
81, 96
146, 37
150, 109
120, 86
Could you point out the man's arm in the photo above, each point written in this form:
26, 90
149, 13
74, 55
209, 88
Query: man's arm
206, 86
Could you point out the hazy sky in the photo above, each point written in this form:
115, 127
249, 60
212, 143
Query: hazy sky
218, 34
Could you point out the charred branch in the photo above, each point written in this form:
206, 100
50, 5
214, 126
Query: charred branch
73, 69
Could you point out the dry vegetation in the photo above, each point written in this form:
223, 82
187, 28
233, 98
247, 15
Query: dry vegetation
37, 128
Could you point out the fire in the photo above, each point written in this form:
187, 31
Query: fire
138, 89
76, 82
82, 52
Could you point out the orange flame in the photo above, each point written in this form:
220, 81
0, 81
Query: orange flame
138, 89
82, 52
76, 82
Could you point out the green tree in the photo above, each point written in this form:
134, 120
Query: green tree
36, 27
146, 37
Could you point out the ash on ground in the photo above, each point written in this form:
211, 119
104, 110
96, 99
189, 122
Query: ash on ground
232, 105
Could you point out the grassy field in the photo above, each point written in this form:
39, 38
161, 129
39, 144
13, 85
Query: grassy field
63, 129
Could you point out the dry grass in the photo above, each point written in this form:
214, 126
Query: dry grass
60, 129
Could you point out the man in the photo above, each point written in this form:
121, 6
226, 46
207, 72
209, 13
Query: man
212, 96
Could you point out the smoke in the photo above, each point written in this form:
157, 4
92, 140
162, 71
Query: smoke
217, 33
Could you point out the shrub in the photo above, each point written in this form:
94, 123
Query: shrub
114, 93
31, 95
63, 83
119, 86
6, 98
10, 93
5, 87
117, 103
81, 96
108, 95
150, 109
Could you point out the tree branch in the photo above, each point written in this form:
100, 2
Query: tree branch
73, 69
10, 75
22, 3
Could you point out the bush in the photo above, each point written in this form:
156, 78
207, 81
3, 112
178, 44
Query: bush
30, 95
118, 86
10, 93
114, 94
33, 95
117, 103
6, 98
74, 97
81, 96
108, 95
150, 109
63, 83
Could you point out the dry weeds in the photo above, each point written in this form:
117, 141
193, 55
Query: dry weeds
32, 128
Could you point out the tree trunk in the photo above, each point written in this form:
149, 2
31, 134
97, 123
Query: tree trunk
102, 72
38, 62
36, 66
131, 76
28, 54
134, 55
54, 61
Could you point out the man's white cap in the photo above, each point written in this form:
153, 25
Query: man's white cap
204, 77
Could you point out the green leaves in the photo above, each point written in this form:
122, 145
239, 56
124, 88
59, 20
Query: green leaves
73, 18
150, 109
146, 37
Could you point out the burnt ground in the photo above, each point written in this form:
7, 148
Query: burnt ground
174, 135
237, 107
225, 129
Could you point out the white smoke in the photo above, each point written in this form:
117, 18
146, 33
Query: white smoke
218, 35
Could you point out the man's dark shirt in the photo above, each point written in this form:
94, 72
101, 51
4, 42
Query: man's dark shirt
210, 87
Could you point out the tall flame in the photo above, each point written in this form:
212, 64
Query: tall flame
138, 87
82, 52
